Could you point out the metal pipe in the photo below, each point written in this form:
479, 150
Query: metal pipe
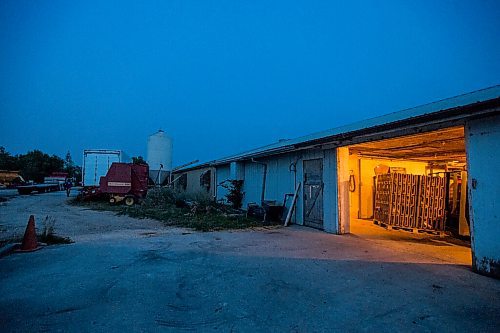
159, 175
359, 188
175, 179
264, 176
215, 183
293, 168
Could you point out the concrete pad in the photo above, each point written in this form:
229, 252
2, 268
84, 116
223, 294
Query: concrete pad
124, 274
280, 280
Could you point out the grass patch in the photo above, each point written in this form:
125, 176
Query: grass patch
54, 239
197, 211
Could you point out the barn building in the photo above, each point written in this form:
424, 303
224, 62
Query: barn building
428, 168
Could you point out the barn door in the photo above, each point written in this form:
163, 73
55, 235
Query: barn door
313, 193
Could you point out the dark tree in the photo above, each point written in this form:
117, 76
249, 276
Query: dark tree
68, 161
36, 165
235, 192
8, 162
138, 160
77, 173
74, 171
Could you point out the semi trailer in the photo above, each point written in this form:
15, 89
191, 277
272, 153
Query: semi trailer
96, 163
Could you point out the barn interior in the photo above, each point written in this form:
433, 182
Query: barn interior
411, 188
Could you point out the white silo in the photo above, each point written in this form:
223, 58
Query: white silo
159, 156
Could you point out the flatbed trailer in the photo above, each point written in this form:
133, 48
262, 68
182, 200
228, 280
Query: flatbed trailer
39, 188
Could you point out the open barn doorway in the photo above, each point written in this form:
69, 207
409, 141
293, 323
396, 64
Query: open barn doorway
412, 189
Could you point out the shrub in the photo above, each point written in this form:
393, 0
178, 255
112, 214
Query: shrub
235, 192
160, 197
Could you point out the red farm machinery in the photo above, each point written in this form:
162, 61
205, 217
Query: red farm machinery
124, 182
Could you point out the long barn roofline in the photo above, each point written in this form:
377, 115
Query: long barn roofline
449, 109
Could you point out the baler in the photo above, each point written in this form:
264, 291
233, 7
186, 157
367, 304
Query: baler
125, 182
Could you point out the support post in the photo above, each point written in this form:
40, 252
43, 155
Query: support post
343, 190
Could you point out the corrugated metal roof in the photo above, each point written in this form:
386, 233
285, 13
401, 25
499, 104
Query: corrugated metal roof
407, 114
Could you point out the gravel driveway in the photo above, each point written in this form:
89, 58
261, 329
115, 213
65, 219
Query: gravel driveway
70, 221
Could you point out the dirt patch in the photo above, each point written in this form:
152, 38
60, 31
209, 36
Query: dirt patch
75, 222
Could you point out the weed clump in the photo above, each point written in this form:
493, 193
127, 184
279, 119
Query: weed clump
198, 211
48, 235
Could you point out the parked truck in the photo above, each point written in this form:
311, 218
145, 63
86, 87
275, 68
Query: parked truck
96, 163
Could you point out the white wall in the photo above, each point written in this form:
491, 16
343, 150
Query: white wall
362, 198
223, 173
193, 181
330, 191
482, 138
343, 173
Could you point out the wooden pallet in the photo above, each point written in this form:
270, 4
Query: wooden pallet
386, 226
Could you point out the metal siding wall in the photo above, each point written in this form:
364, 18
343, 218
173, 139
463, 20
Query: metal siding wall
280, 180
237, 170
223, 173
252, 184
482, 138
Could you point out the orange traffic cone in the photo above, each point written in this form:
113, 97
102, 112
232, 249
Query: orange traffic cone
30, 242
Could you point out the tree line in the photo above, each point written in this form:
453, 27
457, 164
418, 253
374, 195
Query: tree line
35, 165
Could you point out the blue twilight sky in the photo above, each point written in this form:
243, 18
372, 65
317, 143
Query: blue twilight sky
224, 76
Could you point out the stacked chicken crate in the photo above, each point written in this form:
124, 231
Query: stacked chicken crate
410, 201
383, 198
404, 200
431, 205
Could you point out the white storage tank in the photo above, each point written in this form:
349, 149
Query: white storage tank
159, 156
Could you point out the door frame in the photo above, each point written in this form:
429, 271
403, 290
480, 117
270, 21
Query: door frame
304, 210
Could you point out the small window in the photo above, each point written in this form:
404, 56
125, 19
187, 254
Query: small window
205, 180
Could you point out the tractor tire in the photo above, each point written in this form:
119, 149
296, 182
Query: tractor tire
129, 201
